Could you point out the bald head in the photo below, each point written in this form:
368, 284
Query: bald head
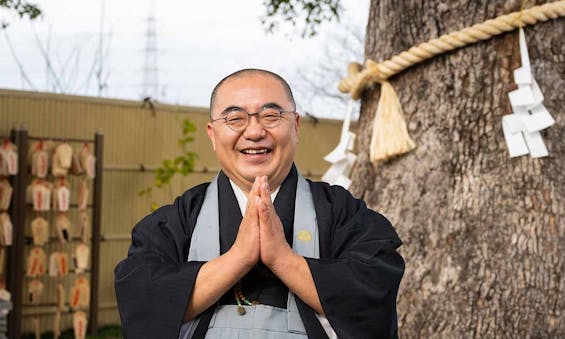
249, 72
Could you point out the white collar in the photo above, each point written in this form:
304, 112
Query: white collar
242, 198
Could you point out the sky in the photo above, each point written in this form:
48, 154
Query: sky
198, 43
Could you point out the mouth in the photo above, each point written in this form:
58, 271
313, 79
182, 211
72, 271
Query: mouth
254, 151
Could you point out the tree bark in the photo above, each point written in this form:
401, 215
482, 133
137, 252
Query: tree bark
484, 234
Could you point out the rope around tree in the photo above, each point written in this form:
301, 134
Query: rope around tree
374, 72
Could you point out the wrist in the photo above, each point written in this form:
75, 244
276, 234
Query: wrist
284, 262
241, 259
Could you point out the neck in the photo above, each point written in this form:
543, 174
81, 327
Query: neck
245, 186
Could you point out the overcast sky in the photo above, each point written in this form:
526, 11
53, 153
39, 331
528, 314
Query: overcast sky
198, 42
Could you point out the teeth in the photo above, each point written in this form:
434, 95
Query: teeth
255, 151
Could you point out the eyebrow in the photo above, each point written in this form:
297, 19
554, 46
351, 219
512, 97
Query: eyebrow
271, 105
231, 108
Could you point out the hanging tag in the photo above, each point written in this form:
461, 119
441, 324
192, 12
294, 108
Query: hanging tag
76, 167
65, 154
6, 229
35, 291
60, 297
81, 257
53, 265
79, 324
40, 231
40, 163
80, 293
36, 262
41, 195
88, 162
58, 264
5, 194
90, 166
83, 193
63, 226
56, 169
9, 159
63, 263
61, 198
62, 160
84, 226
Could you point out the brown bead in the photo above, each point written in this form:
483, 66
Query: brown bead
240, 310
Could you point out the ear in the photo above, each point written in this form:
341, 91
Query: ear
296, 126
211, 136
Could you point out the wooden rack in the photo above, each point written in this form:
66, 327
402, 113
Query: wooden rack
15, 254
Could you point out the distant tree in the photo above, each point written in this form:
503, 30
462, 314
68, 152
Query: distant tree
309, 13
317, 80
21, 8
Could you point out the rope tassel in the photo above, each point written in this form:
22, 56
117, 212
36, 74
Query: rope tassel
390, 135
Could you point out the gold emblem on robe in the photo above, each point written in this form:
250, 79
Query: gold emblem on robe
304, 236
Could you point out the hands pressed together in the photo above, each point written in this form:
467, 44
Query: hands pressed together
261, 234
260, 237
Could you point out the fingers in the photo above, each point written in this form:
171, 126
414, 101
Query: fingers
264, 215
259, 204
251, 209
265, 191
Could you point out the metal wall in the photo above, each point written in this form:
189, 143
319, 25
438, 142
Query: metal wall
135, 138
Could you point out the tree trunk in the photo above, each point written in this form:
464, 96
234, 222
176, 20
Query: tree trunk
484, 234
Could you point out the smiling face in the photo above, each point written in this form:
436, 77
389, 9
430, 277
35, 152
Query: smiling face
255, 151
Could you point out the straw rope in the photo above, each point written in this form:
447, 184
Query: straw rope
359, 78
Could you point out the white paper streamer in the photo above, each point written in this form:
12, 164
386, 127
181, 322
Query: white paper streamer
341, 158
529, 115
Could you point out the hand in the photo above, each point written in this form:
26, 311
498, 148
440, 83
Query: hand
246, 244
274, 247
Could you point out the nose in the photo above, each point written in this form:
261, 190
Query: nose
254, 129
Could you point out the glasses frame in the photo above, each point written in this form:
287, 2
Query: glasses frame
249, 115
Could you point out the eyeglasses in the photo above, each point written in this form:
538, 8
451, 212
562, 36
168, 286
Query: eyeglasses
237, 119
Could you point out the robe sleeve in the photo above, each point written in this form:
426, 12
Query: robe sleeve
358, 278
154, 283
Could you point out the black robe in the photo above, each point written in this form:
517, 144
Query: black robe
357, 275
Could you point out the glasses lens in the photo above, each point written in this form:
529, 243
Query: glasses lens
270, 117
237, 120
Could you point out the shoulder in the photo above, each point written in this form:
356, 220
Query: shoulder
181, 212
189, 203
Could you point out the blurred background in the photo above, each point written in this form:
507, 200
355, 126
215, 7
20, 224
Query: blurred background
175, 51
